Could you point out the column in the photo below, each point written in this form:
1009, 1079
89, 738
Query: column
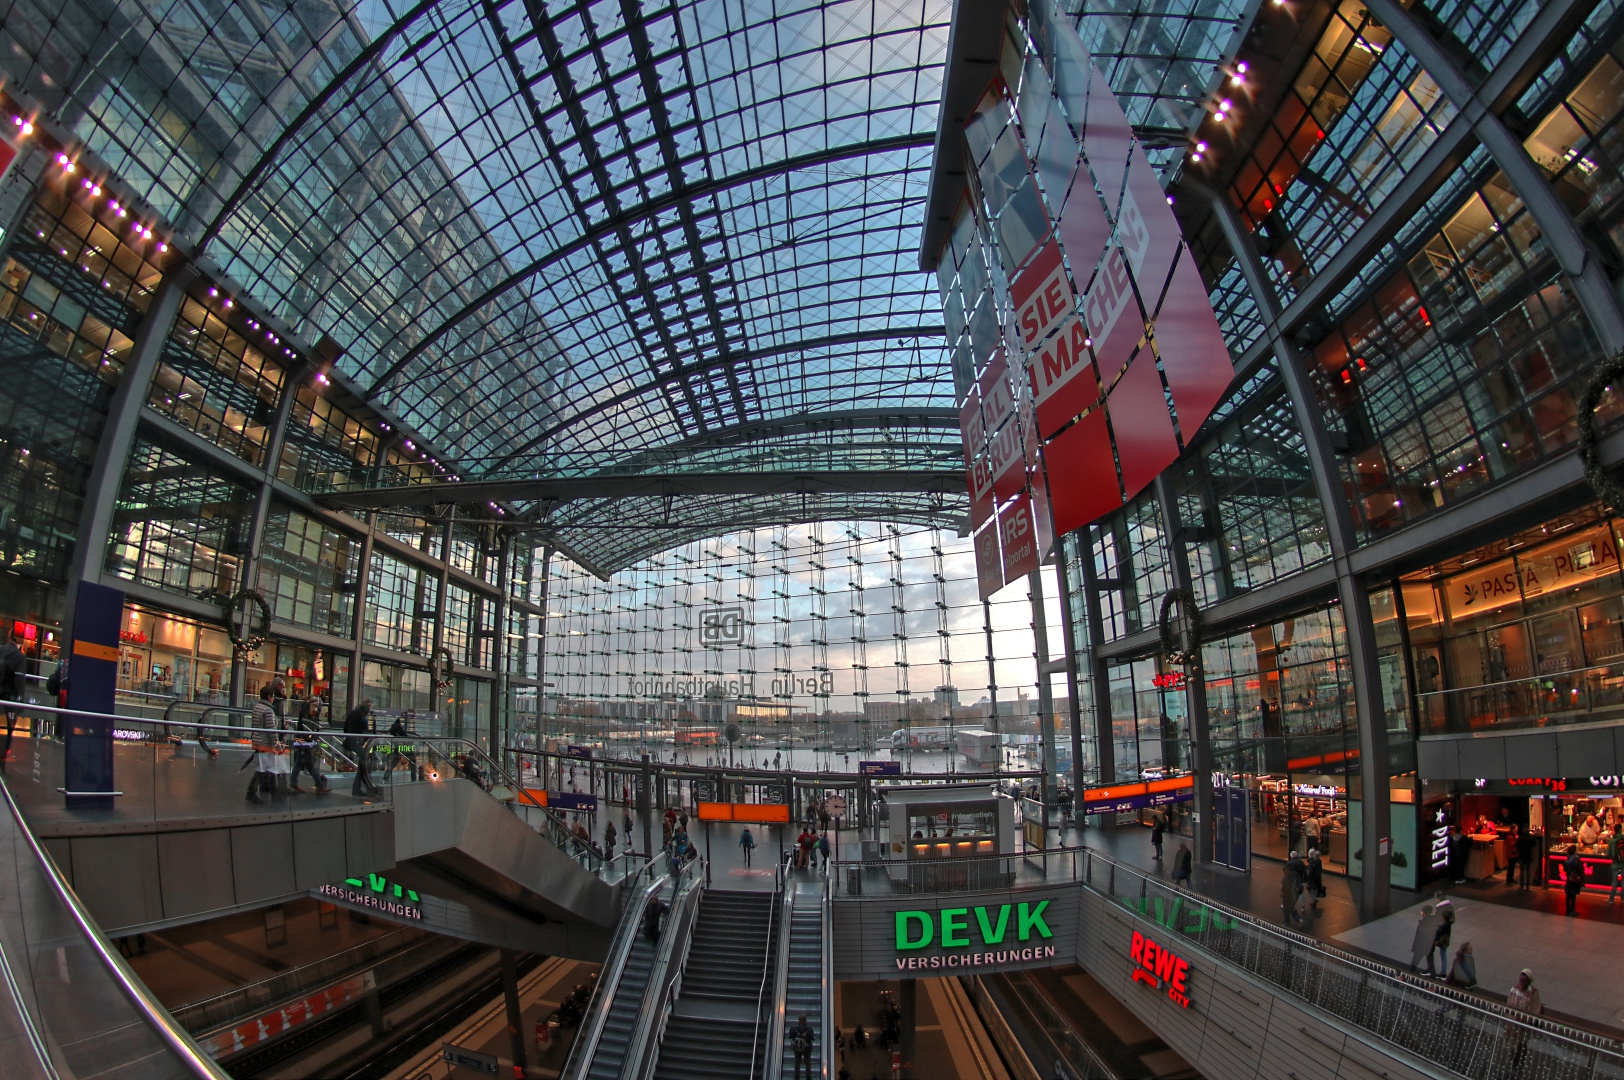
118, 434
1105, 750
498, 654
1351, 591
363, 578
1195, 686
275, 437
1572, 252
437, 640
1040, 647
1074, 706
515, 1020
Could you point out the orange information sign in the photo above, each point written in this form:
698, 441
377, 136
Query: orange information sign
754, 813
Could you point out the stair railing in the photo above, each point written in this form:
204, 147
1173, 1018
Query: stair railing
776, 1019
827, 1002
614, 966
665, 978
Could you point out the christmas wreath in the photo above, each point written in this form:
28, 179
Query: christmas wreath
1606, 488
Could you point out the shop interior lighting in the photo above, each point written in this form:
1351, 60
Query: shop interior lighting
23, 126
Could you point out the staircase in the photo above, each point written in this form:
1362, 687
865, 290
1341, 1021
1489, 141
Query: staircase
718, 1025
621, 1023
803, 996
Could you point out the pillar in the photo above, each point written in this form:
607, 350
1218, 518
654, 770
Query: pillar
1040, 646
515, 1020
363, 576
908, 1005
1195, 687
1351, 590
118, 435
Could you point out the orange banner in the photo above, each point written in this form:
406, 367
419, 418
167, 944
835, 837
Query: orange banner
754, 813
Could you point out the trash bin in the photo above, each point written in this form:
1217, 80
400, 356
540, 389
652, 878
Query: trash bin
854, 881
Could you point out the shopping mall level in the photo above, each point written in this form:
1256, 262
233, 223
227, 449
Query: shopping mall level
694, 541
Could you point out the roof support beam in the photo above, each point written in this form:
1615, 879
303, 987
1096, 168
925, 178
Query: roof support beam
652, 485
640, 212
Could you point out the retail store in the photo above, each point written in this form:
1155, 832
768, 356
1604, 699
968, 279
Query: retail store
1559, 815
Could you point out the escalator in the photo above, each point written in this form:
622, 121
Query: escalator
611, 1023
718, 1025
70, 1007
804, 973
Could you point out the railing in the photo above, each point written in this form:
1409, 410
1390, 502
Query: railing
776, 1020
828, 965
585, 1049
665, 978
1055, 1032
80, 1008
246, 1001
1579, 695
425, 756
1464, 1032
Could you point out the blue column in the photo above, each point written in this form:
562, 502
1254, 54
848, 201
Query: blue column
87, 771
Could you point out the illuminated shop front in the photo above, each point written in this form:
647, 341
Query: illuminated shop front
1560, 815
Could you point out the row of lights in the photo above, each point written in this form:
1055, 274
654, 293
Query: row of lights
25, 128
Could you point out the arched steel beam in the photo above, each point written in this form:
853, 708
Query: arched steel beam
856, 337
643, 211
798, 423
362, 59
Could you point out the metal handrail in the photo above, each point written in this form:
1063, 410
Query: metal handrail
559, 832
776, 1019
151, 1010
664, 982
585, 1049
826, 901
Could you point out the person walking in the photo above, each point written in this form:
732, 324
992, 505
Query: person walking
1573, 879
626, 827
304, 750
1314, 878
402, 729
823, 850
1181, 865
357, 725
609, 838
1464, 971
11, 684
1156, 829
1523, 997
800, 1040
279, 696
1446, 926
747, 844
1426, 931
1291, 883
263, 718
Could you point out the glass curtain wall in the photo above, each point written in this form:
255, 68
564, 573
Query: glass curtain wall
822, 644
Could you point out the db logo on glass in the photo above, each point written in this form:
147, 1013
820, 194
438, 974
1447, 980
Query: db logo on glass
722, 626
1157, 967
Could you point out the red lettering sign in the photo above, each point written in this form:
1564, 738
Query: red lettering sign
1042, 295
989, 570
997, 403
1018, 538
1157, 967
1008, 461
981, 497
1063, 378
1113, 318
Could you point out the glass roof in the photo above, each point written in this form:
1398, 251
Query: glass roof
552, 233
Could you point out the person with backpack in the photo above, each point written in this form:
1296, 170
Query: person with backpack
1440, 938
747, 844
357, 725
57, 687
800, 1040
823, 850
11, 684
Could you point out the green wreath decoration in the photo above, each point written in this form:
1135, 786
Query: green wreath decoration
437, 668
1606, 488
228, 608
1170, 643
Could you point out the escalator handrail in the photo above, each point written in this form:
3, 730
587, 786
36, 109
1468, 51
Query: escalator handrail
181, 1045
614, 966
777, 1019
826, 902
666, 974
